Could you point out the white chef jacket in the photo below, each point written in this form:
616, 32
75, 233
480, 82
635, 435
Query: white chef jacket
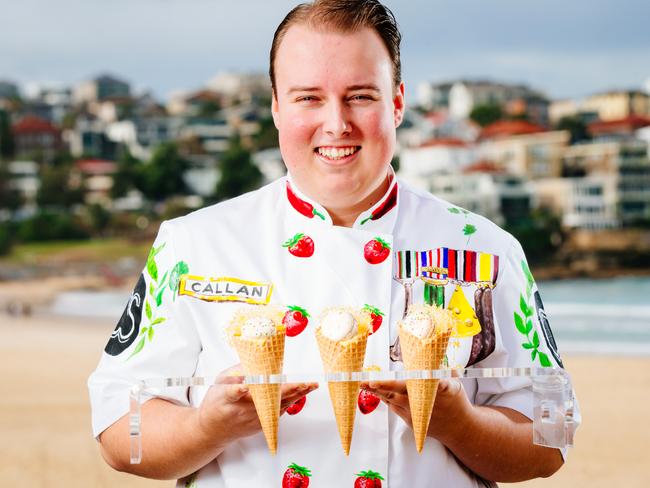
208, 264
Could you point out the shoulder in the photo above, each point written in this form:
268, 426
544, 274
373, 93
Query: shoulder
454, 226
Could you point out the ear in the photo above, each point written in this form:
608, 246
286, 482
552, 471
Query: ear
398, 105
275, 110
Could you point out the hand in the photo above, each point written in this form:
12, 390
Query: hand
228, 412
450, 406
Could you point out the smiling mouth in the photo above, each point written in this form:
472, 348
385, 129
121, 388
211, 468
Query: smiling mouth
336, 153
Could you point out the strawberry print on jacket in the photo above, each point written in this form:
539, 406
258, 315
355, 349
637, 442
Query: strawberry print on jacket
300, 245
376, 250
301, 206
295, 320
368, 479
376, 317
296, 477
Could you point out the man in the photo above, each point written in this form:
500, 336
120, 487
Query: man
322, 238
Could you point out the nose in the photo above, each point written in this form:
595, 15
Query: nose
336, 123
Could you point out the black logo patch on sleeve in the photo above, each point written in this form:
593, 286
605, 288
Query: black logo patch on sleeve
546, 329
128, 326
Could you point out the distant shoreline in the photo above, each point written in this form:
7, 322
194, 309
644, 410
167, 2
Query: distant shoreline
557, 273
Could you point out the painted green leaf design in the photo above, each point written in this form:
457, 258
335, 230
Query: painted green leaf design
469, 229
544, 360
524, 306
150, 334
152, 288
519, 323
535, 338
533, 354
159, 296
143, 331
147, 309
527, 345
138, 348
180, 269
527, 273
152, 269
159, 320
454, 210
529, 326
164, 278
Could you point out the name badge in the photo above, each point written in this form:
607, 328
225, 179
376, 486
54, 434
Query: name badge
225, 289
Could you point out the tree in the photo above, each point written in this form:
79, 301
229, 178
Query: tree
6, 138
238, 172
576, 126
209, 109
9, 198
267, 136
486, 114
540, 234
162, 177
127, 176
57, 189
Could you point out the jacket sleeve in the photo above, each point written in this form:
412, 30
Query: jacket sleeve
523, 335
149, 341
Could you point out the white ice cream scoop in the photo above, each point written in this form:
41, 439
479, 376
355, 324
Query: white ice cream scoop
419, 324
258, 327
339, 325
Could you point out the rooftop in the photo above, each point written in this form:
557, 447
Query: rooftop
507, 128
32, 124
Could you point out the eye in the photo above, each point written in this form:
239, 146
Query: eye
361, 98
307, 99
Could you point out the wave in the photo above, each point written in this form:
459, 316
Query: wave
605, 348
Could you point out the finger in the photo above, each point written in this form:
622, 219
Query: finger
386, 386
450, 386
229, 380
234, 374
292, 398
234, 393
297, 389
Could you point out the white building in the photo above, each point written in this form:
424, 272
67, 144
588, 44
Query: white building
499, 197
25, 179
584, 203
240, 86
269, 162
464, 95
435, 157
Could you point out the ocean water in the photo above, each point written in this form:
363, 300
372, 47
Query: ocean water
587, 316
609, 316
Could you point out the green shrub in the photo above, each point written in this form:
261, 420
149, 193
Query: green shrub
50, 226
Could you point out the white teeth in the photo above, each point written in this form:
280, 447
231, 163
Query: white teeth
336, 153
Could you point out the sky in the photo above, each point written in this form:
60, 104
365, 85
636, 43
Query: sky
566, 49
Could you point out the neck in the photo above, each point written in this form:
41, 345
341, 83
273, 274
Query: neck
346, 216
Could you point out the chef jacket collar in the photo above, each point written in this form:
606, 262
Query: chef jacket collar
380, 217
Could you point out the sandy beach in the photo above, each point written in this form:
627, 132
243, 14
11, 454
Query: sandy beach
46, 441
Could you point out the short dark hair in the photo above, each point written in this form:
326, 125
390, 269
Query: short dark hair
344, 16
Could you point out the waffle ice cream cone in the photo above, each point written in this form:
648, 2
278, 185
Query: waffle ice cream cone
265, 356
424, 353
344, 356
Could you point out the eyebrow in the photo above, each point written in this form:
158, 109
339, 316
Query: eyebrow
303, 89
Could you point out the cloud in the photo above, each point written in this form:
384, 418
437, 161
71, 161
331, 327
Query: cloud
563, 47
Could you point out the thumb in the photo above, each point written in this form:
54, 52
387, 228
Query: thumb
451, 386
234, 393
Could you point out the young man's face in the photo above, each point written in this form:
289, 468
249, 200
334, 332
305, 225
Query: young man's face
336, 111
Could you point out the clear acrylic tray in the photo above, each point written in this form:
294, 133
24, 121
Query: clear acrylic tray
553, 402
